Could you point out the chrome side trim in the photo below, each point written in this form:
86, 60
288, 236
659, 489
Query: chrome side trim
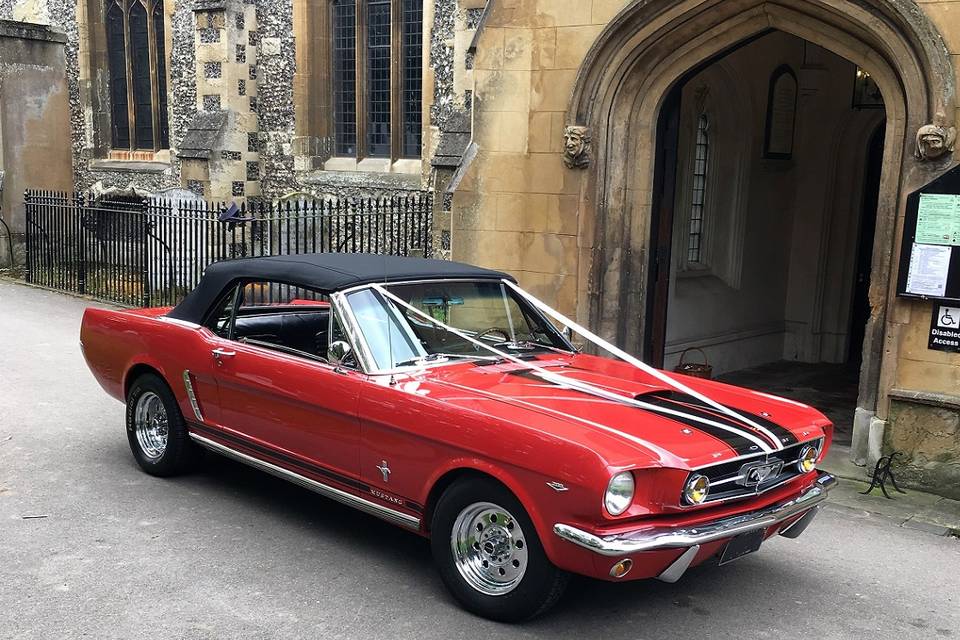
679, 566
191, 395
182, 323
655, 538
394, 517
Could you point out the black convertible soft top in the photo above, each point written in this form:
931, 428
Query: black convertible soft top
326, 272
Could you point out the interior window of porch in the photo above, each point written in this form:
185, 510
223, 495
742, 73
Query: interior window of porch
698, 197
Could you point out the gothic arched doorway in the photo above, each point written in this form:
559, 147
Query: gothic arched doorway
763, 184
631, 75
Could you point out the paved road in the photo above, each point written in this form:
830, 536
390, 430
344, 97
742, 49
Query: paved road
231, 553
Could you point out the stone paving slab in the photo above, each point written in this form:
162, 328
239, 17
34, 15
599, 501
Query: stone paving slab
946, 513
914, 509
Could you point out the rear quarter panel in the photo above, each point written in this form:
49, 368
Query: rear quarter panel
114, 342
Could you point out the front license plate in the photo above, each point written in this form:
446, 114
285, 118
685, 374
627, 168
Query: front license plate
741, 545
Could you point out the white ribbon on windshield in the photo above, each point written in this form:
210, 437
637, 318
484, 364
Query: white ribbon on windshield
586, 387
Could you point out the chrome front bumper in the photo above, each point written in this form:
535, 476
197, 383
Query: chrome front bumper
656, 538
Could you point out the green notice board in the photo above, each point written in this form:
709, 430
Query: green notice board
938, 219
930, 251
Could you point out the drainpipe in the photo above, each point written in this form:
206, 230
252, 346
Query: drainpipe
487, 8
4, 222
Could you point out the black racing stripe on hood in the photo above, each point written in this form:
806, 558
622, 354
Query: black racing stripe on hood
783, 435
742, 445
786, 436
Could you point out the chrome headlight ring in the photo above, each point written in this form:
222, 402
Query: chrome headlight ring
619, 493
807, 461
696, 489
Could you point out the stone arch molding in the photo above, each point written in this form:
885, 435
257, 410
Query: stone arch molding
894, 35
653, 44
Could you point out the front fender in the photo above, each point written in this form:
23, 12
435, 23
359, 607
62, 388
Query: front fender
543, 504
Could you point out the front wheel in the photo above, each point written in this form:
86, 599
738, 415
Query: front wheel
489, 555
156, 430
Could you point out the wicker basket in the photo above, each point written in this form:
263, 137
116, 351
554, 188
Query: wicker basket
695, 369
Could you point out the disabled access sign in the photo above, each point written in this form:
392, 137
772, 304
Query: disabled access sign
945, 329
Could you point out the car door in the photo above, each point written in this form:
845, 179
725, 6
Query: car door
291, 410
196, 372
396, 454
195, 369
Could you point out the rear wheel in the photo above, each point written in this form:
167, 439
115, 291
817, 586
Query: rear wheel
489, 555
156, 430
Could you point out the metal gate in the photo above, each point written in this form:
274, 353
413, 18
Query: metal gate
151, 252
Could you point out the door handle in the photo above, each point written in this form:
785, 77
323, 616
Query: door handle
220, 353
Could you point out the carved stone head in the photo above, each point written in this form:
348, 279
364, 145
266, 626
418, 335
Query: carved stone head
576, 147
934, 141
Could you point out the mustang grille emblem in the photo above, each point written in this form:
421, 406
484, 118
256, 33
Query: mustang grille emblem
385, 470
756, 473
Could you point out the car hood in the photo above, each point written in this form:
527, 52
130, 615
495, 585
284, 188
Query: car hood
671, 429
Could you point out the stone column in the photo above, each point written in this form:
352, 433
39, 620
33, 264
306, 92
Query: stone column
220, 152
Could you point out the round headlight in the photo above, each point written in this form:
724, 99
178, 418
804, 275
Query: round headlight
696, 489
808, 458
619, 493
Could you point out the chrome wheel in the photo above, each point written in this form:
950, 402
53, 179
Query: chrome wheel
151, 425
489, 548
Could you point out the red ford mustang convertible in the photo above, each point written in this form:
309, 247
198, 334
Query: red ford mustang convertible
443, 398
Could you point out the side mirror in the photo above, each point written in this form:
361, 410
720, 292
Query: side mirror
340, 353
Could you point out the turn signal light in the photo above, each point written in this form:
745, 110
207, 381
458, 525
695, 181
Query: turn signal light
808, 458
622, 568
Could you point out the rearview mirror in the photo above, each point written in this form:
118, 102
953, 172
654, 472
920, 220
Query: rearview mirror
340, 353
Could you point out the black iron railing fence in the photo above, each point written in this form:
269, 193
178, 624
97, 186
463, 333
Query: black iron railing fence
151, 252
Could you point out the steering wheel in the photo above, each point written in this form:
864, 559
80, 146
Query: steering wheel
482, 334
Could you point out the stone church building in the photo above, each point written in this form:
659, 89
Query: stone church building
717, 179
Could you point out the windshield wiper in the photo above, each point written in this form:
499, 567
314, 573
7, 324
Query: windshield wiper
436, 357
529, 345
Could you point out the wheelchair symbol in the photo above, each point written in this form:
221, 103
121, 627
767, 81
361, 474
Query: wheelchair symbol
947, 320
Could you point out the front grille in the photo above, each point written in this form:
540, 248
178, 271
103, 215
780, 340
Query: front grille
727, 481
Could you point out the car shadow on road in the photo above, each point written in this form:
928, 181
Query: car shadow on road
406, 558
292, 505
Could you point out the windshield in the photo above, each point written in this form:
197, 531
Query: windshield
487, 311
